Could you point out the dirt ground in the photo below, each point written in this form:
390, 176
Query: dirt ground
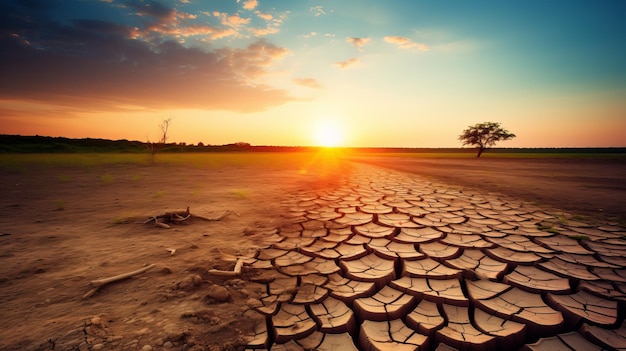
66, 226
588, 187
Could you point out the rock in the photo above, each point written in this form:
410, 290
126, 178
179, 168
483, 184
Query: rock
165, 270
218, 294
97, 347
237, 283
146, 348
253, 303
97, 321
189, 282
168, 345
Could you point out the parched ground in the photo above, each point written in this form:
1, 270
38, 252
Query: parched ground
585, 186
337, 254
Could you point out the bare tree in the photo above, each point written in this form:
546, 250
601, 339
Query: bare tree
154, 147
484, 135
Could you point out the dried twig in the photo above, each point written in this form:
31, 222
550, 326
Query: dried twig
235, 272
177, 217
161, 224
100, 282
218, 218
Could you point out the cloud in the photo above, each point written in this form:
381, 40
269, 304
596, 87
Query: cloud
151, 9
357, 42
405, 43
264, 15
100, 65
250, 4
308, 82
317, 10
233, 20
347, 63
185, 15
261, 32
273, 23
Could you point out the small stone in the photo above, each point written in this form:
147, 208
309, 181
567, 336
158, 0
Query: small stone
165, 270
168, 345
146, 348
98, 347
237, 283
189, 282
218, 294
97, 321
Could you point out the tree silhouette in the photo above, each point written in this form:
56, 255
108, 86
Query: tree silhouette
484, 135
154, 147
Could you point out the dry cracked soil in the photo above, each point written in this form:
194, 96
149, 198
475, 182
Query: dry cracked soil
337, 255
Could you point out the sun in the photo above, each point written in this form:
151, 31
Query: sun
328, 133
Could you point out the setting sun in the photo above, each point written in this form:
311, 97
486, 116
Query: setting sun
328, 134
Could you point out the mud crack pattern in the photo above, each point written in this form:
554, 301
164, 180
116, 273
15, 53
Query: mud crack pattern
390, 261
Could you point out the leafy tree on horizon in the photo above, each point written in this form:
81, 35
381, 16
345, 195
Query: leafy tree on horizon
484, 135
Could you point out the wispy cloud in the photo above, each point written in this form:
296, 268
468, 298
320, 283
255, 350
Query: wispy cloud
405, 43
317, 10
308, 82
264, 15
261, 32
233, 20
151, 9
357, 42
273, 23
347, 63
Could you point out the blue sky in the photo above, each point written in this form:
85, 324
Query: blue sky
376, 73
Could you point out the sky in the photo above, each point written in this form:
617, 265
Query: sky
373, 73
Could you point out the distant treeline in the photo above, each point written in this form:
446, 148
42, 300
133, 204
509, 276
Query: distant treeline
44, 144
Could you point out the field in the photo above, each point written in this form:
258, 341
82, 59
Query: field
72, 219
583, 184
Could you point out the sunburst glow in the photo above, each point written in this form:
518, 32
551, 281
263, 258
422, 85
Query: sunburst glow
328, 133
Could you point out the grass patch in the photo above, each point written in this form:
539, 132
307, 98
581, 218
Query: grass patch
158, 194
136, 178
206, 160
22, 161
547, 228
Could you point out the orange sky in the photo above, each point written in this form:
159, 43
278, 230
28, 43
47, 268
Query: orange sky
390, 74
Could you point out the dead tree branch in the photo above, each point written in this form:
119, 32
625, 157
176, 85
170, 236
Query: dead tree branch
177, 217
97, 284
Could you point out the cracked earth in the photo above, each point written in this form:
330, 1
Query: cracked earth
337, 255
390, 261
